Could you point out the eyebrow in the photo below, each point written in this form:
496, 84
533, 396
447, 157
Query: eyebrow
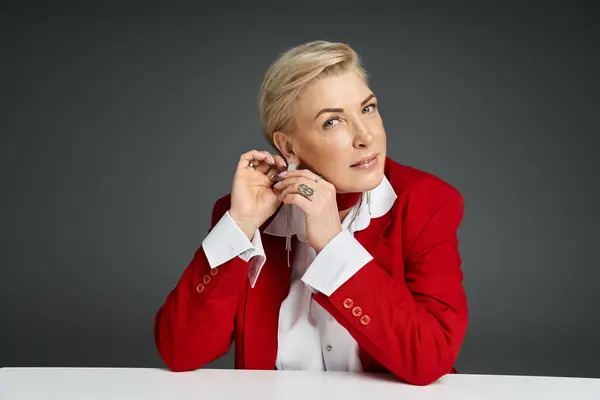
339, 110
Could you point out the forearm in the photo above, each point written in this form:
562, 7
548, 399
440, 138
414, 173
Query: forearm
417, 341
195, 324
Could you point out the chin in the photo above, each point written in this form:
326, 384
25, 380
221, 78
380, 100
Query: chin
372, 182
366, 182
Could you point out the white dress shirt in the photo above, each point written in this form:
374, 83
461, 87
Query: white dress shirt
308, 337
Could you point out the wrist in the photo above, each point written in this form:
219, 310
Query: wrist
320, 246
246, 225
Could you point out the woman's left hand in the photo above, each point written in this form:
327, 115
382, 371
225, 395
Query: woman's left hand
322, 215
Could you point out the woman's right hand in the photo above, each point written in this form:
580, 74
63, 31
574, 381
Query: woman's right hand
253, 200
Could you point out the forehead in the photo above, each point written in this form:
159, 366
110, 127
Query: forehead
338, 91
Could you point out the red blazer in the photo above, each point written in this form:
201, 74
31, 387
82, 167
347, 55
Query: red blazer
414, 307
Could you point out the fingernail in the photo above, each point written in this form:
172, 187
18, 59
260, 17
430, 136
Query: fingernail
283, 162
272, 159
277, 184
282, 173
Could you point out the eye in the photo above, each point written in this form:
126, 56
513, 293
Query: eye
370, 108
331, 122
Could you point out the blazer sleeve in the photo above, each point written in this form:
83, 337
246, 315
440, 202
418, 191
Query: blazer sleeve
195, 324
412, 325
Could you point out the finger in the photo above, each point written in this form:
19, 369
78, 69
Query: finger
263, 167
298, 200
284, 187
268, 164
273, 171
283, 184
265, 179
256, 157
300, 173
272, 175
280, 162
292, 187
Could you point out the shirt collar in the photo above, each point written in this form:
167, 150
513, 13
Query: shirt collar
359, 217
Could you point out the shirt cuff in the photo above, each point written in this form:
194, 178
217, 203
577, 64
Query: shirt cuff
226, 240
258, 259
337, 262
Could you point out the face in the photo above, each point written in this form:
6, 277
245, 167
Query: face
339, 129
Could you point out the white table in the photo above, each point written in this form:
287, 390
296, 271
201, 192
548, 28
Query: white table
149, 384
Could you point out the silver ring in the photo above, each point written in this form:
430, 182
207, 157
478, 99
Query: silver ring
305, 191
251, 165
318, 178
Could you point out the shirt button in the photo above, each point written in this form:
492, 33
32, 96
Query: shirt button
199, 288
214, 271
357, 311
365, 320
348, 303
329, 347
206, 279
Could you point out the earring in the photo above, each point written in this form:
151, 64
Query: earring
289, 214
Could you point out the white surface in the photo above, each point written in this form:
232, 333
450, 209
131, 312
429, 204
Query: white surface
149, 384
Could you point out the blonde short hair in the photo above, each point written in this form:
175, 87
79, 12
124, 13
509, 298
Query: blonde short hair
293, 71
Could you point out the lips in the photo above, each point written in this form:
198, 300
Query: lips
365, 160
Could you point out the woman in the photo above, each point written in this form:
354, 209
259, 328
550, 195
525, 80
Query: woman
346, 261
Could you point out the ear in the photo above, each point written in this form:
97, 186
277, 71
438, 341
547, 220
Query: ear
283, 143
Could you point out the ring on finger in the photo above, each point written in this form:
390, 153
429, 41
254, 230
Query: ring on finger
305, 191
251, 165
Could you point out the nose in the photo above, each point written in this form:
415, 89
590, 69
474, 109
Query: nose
362, 137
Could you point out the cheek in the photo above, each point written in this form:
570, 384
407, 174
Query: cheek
376, 127
326, 157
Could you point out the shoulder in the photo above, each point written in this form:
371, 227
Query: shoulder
410, 181
421, 193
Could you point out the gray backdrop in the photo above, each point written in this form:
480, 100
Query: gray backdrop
121, 125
